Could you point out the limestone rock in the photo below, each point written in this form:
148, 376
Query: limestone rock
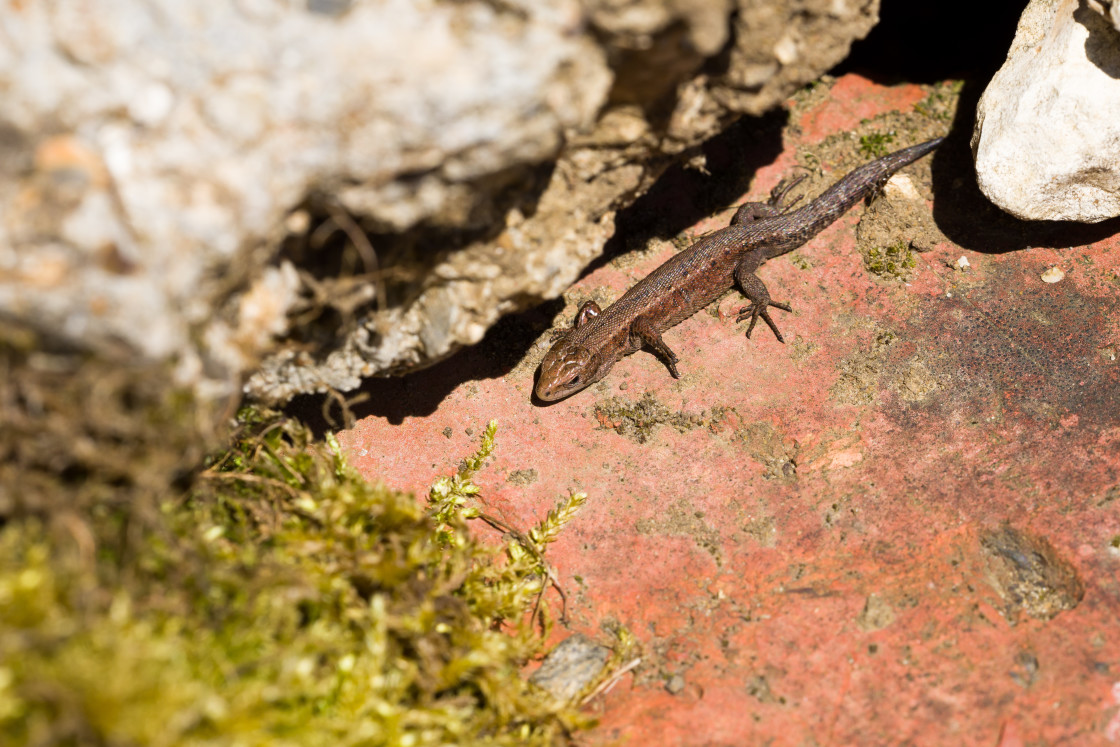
1047, 136
658, 51
156, 156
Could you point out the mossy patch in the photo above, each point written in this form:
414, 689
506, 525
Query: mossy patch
875, 144
893, 262
268, 595
682, 518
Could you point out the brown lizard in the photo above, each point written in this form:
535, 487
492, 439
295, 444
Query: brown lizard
693, 278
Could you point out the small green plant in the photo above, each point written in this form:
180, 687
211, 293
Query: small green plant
525, 563
874, 145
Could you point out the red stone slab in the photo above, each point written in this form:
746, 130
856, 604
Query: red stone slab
852, 100
811, 550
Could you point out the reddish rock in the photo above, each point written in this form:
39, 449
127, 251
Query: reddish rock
874, 534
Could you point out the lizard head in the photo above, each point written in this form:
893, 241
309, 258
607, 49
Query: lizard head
566, 369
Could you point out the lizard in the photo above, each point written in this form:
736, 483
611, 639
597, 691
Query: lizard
691, 279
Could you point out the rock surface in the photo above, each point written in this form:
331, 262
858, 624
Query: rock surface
154, 155
1047, 136
828, 541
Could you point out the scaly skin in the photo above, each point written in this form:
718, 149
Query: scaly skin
692, 279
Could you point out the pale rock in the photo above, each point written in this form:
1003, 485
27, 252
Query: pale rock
901, 186
1053, 275
154, 155
171, 141
1047, 137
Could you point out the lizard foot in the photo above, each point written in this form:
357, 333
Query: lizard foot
672, 366
648, 334
758, 310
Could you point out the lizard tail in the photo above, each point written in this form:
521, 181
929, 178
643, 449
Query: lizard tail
841, 196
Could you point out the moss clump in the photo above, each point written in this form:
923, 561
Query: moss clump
874, 145
894, 262
283, 600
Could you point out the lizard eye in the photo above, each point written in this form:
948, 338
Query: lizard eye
575, 380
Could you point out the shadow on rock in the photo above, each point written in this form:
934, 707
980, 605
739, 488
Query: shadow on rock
418, 394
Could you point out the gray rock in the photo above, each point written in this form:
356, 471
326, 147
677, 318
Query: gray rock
1047, 136
155, 154
571, 666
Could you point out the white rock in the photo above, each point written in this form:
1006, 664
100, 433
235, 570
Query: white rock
178, 136
1047, 136
901, 186
1053, 275
152, 152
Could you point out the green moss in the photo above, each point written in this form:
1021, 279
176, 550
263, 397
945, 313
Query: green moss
283, 600
683, 240
891, 262
874, 145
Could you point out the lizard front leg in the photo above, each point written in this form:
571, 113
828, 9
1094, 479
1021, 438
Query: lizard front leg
586, 313
755, 291
644, 331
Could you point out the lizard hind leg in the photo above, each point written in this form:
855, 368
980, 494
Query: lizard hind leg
758, 295
749, 212
774, 207
778, 194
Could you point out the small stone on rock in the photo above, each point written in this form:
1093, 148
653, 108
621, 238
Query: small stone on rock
571, 666
1052, 275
